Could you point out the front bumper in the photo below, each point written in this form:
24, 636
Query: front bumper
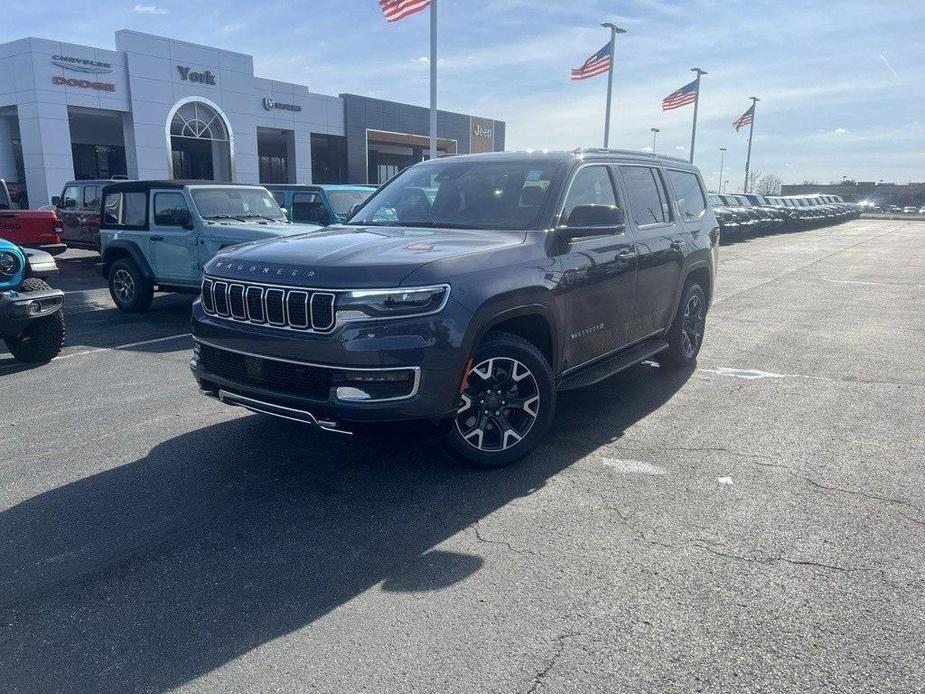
365, 372
17, 309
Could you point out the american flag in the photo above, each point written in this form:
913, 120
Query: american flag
597, 64
681, 97
744, 119
399, 9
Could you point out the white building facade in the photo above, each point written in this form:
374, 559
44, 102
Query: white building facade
157, 108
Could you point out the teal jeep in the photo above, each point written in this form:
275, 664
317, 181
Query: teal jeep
157, 235
31, 319
322, 204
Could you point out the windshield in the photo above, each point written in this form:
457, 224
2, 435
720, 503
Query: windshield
237, 204
463, 195
343, 200
714, 200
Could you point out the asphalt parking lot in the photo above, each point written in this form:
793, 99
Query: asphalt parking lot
754, 525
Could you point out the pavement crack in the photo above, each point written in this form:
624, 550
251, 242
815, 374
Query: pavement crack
551, 663
778, 559
503, 543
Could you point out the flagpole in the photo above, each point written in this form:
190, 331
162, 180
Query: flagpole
433, 79
614, 30
751, 131
696, 104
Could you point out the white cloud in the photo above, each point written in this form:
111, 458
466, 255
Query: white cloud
149, 9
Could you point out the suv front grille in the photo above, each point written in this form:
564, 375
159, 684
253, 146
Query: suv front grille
298, 309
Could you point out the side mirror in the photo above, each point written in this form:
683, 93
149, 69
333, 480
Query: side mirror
354, 208
56, 200
592, 220
285, 212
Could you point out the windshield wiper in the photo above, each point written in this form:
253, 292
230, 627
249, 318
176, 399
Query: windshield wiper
223, 216
263, 216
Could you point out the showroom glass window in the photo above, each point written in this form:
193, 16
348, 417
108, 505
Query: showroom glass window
646, 195
592, 185
691, 201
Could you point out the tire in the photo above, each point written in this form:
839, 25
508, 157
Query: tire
129, 289
685, 336
43, 338
505, 369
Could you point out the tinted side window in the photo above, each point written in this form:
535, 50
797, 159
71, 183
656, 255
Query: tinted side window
71, 197
690, 195
646, 196
591, 186
91, 196
135, 210
170, 209
308, 207
113, 209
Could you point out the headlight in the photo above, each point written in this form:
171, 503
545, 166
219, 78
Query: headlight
391, 303
9, 264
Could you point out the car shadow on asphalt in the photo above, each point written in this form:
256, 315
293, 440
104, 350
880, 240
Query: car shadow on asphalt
153, 573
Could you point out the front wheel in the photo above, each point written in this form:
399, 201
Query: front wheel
43, 338
506, 404
685, 336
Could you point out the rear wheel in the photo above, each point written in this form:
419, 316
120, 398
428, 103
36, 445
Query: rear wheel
128, 288
43, 338
506, 404
685, 336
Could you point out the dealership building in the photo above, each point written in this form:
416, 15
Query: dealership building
157, 108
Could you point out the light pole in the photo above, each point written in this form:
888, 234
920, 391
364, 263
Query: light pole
722, 159
696, 104
655, 132
614, 30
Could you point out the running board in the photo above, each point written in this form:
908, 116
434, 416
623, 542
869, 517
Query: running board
605, 368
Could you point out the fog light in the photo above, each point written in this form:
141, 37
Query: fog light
35, 307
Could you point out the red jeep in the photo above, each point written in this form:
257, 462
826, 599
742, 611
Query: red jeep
30, 228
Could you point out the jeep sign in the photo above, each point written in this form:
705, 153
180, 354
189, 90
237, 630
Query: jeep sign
199, 77
481, 135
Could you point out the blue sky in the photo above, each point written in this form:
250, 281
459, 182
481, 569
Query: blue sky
842, 84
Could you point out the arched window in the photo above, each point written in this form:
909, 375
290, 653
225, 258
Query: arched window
200, 142
195, 119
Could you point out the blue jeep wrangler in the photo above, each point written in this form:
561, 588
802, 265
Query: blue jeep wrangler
157, 235
31, 319
323, 204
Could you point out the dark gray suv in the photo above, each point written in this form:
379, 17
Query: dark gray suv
468, 291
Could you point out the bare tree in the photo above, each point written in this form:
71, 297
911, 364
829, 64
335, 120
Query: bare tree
769, 184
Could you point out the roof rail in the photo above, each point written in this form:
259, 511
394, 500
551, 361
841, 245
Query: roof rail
606, 150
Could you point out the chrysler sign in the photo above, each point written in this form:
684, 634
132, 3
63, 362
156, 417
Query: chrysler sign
81, 64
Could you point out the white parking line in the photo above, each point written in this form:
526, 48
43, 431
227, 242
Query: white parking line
127, 345
872, 284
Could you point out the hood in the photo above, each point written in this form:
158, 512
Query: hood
353, 256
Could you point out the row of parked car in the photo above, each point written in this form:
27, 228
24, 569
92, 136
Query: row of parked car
739, 214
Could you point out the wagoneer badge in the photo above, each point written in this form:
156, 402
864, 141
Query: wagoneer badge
264, 270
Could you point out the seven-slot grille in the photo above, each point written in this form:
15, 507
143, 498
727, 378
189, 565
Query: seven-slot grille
299, 309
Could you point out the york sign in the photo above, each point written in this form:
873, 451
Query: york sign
187, 75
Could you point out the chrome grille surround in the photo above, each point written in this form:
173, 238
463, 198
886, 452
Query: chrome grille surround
262, 304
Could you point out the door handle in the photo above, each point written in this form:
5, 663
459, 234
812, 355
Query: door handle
624, 257
157, 238
676, 245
